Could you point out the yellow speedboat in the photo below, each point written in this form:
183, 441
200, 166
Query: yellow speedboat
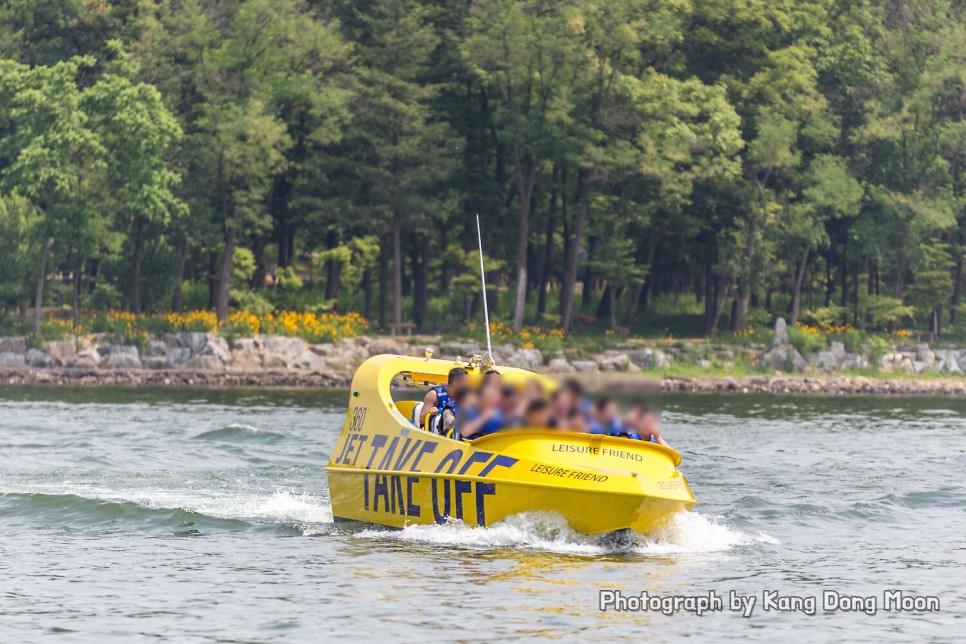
386, 470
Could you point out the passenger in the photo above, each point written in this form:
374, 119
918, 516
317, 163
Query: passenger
607, 418
513, 405
578, 422
533, 390
576, 390
537, 414
492, 377
442, 397
649, 425
479, 413
561, 408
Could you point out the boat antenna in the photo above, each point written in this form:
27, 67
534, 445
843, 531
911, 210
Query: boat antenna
486, 309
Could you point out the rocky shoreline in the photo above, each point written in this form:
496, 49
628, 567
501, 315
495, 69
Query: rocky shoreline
209, 360
615, 383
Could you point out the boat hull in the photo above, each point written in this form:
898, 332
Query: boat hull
384, 470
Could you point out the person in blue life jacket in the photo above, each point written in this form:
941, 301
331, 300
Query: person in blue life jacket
579, 400
606, 419
479, 413
442, 398
647, 423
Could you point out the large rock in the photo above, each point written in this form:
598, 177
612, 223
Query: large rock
193, 340
529, 359
649, 358
119, 356
612, 360
86, 358
349, 353
826, 360
203, 363
11, 359
154, 362
838, 350
156, 349
855, 361
781, 333
560, 365
949, 365
39, 359
63, 351
13, 344
586, 366
216, 346
308, 361
246, 354
784, 357
456, 349
925, 354
379, 346
281, 350
176, 356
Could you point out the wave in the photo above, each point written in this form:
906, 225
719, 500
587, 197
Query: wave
78, 507
683, 533
71, 511
237, 433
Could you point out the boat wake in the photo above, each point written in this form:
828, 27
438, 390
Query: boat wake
684, 533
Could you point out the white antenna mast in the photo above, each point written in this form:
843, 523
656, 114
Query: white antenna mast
486, 309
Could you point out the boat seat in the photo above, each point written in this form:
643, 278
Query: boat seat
417, 410
410, 409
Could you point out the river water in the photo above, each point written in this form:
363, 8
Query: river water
134, 515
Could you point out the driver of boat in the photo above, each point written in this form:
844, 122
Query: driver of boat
479, 413
443, 397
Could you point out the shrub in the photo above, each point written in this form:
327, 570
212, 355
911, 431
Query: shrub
807, 339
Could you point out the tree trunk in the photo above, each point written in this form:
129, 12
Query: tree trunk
420, 259
570, 262
526, 177
224, 279
587, 290
643, 294
383, 283
367, 293
75, 296
397, 268
799, 278
136, 265
957, 285
546, 255
711, 281
334, 272
41, 281
176, 294
900, 267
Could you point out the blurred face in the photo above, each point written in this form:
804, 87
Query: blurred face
458, 385
511, 400
561, 406
490, 397
471, 400
538, 418
632, 417
609, 412
532, 390
648, 423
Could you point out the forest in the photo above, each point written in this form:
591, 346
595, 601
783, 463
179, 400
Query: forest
659, 166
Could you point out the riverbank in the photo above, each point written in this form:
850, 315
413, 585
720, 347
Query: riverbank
611, 383
195, 359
